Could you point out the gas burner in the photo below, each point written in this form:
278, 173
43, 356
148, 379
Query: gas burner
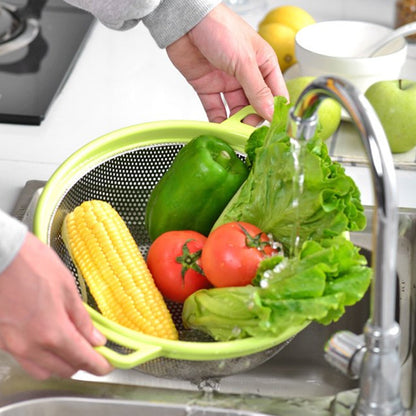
10, 24
39, 43
19, 26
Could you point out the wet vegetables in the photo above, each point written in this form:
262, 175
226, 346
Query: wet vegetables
317, 285
108, 259
204, 176
328, 205
232, 253
315, 282
174, 260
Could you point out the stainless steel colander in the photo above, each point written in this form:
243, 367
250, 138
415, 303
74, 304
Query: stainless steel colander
122, 168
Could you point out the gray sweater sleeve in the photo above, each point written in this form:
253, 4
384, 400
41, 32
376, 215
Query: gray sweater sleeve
167, 20
12, 235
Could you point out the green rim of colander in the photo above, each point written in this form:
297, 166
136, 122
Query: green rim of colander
119, 141
146, 347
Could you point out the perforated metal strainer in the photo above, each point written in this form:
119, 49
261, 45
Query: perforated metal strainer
122, 168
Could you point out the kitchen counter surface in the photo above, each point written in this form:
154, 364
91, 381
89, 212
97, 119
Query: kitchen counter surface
122, 78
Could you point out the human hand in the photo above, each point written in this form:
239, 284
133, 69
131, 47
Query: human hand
224, 56
43, 323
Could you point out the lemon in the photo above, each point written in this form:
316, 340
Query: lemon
279, 28
292, 16
281, 39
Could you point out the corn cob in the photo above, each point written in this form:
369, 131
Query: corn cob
107, 257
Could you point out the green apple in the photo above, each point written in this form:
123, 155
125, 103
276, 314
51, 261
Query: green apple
329, 112
394, 101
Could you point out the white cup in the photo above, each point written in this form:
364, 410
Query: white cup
338, 48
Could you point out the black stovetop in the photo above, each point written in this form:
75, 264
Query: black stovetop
31, 77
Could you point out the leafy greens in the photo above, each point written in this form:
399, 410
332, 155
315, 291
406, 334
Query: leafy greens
313, 283
328, 205
316, 285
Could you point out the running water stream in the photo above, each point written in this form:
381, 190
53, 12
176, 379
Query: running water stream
341, 404
298, 150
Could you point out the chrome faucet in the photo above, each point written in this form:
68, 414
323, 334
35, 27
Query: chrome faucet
376, 360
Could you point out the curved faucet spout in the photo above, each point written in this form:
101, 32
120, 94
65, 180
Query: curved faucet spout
380, 371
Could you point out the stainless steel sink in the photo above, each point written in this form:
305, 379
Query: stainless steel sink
68, 406
300, 369
296, 379
21, 395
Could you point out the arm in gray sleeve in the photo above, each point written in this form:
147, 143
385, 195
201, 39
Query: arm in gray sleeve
12, 235
173, 18
167, 20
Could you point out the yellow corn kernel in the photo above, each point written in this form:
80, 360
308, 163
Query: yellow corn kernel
110, 262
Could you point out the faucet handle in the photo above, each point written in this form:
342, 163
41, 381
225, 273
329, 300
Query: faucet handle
345, 351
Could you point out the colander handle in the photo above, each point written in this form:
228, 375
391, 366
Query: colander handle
140, 352
130, 360
235, 123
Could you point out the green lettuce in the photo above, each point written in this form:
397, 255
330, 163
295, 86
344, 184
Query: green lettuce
323, 275
316, 285
328, 205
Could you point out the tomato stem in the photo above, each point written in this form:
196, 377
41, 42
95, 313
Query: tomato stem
188, 260
256, 241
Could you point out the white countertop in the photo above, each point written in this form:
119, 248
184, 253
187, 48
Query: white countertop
122, 78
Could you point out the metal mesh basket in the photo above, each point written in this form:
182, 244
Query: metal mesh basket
122, 168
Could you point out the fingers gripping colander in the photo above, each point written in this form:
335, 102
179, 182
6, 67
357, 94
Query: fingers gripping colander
122, 168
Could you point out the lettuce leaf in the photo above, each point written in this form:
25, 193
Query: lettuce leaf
329, 203
315, 282
316, 285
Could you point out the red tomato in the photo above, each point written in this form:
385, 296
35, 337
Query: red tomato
174, 261
233, 252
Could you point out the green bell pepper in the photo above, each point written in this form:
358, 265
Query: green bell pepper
193, 192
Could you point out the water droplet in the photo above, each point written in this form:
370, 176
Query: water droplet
277, 246
208, 385
264, 283
236, 331
280, 266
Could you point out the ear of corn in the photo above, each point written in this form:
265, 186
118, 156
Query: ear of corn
107, 257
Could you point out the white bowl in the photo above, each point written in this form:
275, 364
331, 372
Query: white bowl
340, 48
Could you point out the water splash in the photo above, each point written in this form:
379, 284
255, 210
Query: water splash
264, 282
268, 274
